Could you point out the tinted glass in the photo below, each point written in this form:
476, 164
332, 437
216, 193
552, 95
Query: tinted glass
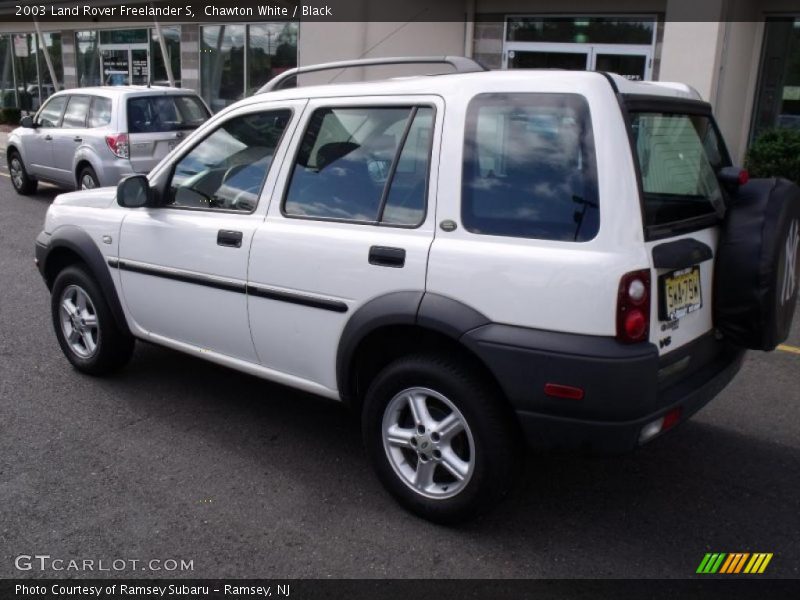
405, 202
582, 30
344, 169
227, 169
148, 114
75, 115
678, 157
100, 112
529, 167
50, 115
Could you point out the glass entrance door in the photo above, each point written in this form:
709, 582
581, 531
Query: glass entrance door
621, 45
546, 59
124, 64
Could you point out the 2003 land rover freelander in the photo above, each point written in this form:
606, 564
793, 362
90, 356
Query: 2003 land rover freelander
467, 260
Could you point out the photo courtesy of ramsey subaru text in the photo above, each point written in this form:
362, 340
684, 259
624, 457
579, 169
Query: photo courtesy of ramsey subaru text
472, 262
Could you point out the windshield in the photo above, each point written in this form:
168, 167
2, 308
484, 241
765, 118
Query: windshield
679, 156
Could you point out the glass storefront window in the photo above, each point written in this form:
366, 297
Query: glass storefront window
25, 69
8, 98
236, 60
52, 41
222, 64
581, 30
778, 96
88, 58
172, 39
272, 49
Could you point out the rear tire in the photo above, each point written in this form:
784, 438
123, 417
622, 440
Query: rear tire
439, 438
85, 328
87, 179
22, 182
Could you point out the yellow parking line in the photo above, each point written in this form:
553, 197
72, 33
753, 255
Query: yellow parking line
787, 348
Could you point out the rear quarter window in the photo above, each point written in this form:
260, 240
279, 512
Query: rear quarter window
151, 114
529, 167
679, 156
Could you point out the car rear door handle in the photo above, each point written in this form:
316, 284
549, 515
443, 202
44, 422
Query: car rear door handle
384, 256
77, 139
48, 137
231, 239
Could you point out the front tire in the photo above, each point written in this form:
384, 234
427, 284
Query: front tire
439, 438
85, 328
23, 183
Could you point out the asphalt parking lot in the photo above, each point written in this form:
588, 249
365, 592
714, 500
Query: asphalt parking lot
175, 458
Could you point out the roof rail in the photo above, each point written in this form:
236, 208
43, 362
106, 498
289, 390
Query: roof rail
289, 78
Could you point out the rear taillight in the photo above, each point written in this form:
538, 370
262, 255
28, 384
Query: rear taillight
118, 144
633, 307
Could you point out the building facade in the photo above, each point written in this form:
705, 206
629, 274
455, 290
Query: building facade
743, 56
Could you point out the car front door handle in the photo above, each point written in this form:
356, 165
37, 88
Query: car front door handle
48, 137
230, 239
77, 139
384, 256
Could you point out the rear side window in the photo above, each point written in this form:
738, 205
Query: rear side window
151, 114
367, 165
50, 115
679, 156
100, 112
75, 115
529, 167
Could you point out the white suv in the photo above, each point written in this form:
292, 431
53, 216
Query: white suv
467, 260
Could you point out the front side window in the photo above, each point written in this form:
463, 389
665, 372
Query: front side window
679, 156
227, 169
50, 115
77, 108
148, 114
529, 167
367, 165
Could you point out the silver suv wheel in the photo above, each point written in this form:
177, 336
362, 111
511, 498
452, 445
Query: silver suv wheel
428, 443
15, 170
79, 322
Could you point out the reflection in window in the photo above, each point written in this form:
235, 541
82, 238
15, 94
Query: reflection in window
272, 49
172, 40
581, 30
345, 166
529, 167
236, 60
222, 64
88, 58
778, 97
227, 169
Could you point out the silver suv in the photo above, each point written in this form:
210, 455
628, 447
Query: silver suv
93, 137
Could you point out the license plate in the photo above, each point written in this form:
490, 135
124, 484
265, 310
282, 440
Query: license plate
680, 293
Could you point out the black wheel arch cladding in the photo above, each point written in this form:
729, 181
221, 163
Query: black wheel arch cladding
80, 243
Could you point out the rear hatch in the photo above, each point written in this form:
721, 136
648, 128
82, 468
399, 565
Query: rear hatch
157, 123
680, 152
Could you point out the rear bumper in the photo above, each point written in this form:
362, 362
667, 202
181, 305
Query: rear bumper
625, 387
111, 172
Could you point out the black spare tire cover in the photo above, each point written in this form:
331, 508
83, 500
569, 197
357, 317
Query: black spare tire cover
757, 267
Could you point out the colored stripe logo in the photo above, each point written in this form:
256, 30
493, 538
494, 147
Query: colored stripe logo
734, 563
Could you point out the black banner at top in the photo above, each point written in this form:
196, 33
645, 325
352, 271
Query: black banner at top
108, 12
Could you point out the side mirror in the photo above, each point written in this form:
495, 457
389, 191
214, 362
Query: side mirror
733, 177
134, 192
27, 122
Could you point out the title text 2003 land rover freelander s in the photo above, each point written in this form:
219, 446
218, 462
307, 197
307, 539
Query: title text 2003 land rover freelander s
467, 260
